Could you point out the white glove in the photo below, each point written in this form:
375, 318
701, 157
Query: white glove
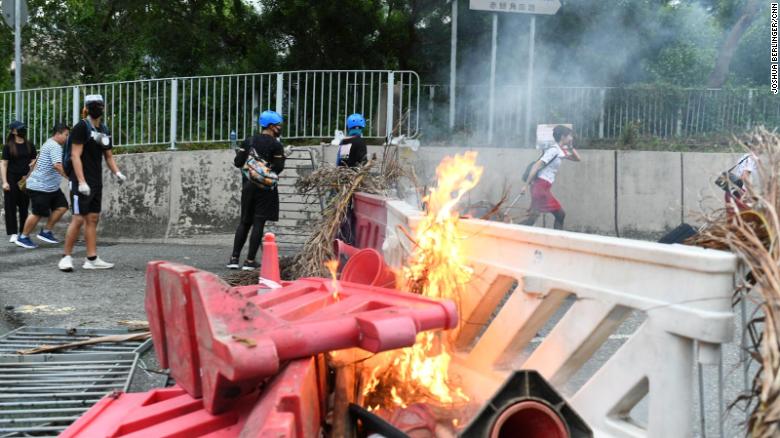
339, 136
121, 176
84, 189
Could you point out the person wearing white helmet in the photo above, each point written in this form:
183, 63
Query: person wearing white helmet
88, 145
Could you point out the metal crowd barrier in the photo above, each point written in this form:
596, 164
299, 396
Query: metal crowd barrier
202, 109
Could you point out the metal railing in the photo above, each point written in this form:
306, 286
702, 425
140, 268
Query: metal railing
316, 103
208, 108
603, 112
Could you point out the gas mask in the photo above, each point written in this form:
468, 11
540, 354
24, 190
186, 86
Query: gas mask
104, 140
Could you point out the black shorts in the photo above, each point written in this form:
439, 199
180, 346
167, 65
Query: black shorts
258, 204
44, 203
80, 204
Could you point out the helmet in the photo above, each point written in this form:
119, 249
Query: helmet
356, 120
20, 127
269, 117
93, 98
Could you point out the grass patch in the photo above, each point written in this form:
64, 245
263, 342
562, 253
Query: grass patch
709, 143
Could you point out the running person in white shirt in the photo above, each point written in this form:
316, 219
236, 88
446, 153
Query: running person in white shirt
43, 188
542, 176
744, 170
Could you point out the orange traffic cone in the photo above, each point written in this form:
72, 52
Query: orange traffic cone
269, 267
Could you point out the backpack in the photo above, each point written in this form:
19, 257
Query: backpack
67, 163
530, 165
730, 182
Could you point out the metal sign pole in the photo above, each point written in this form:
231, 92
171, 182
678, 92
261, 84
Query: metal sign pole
492, 99
18, 57
453, 61
532, 7
529, 89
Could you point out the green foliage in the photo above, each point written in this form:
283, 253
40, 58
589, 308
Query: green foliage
630, 133
589, 42
708, 143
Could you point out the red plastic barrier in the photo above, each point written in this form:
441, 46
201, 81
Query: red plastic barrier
291, 406
243, 338
370, 220
169, 412
153, 307
169, 310
368, 267
243, 335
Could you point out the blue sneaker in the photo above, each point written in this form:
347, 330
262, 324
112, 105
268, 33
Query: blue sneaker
48, 237
25, 242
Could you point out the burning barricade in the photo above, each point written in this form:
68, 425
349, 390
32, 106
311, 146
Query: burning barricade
326, 356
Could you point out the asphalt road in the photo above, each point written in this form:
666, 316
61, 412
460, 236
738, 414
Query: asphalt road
34, 292
30, 279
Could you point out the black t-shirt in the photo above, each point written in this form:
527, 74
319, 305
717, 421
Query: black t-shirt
353, 151
19, 164
91, 155
265, 203
266, 147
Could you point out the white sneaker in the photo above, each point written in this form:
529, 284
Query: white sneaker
12, 239
96, 264
66, 264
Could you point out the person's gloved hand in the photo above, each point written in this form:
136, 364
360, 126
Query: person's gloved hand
121, 176
84, 189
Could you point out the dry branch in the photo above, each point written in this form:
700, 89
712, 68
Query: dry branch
101, 340
340, 184
752, 236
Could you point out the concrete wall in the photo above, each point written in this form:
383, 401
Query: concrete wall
633, 193
173, 195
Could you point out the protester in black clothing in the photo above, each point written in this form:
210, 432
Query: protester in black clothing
90, 145
258, 204
352, 149
352, 153
18, 159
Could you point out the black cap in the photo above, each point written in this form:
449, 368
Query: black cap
19, 126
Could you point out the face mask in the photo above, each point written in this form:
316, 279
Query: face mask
95, 111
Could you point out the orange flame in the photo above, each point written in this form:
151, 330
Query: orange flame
333, 266
436, 269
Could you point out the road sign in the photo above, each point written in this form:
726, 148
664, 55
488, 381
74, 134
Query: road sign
9, 12
542, 7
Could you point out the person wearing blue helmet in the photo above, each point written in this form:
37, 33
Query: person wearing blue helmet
258, 205
352, 153
352, 150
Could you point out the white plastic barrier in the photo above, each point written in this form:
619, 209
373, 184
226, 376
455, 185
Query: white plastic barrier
683, 294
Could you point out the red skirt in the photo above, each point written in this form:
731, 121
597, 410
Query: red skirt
740, 206
542, 199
